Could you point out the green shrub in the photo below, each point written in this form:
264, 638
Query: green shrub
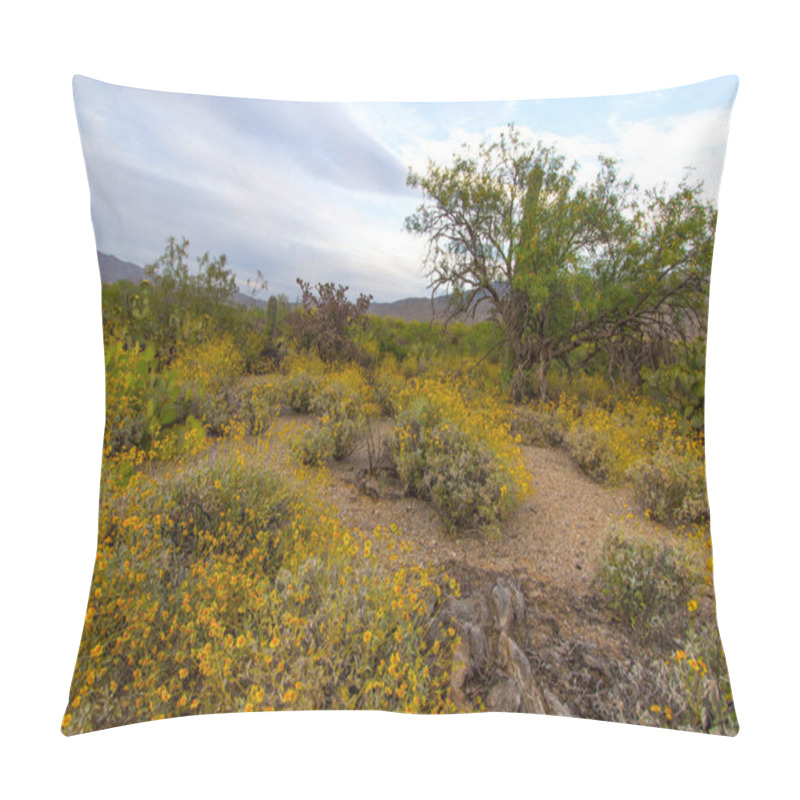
681, 385
645, 584
141, 398
437, 461
331, 437
692, 690
592, 451
672, 485
301, 387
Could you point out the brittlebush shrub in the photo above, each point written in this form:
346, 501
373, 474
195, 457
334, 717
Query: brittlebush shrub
333, 436
312, 387
344, 393
387, 382
463, 459
645, 584
341, 400
127, 387
672, 483
219, 587
692, 689
542, 427
606, 443
208, 371
583, 388
304, 375
259, 405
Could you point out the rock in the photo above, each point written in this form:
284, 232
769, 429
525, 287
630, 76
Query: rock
509, 607
465, 610
554, 705
505, 696
459, 612
516, 664
478, 647
503, 611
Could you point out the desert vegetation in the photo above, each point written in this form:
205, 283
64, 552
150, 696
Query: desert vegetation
228, 579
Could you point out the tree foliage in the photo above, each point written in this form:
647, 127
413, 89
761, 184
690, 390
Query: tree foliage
565, 266
172, 304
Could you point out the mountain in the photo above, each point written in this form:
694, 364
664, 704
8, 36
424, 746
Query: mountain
423, 309
113, 270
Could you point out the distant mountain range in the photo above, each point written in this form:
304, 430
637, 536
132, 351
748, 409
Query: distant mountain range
410, 309
423, 309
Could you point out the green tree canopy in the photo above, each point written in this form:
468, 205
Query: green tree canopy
563, 265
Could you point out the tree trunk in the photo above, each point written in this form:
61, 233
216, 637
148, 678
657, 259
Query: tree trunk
544, 366
545, 358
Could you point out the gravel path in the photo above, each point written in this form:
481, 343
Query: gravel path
555, 536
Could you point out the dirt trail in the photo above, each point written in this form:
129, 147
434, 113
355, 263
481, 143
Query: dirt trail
555, 536
551, 544
585, 662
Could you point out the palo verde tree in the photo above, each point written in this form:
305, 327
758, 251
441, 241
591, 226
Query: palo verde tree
564, 266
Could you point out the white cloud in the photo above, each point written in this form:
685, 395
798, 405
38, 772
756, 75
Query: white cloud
660, 151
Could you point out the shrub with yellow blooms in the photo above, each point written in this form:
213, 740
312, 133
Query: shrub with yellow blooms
460, 457
692, 688
209, 370
222, 584
672, 482
645, 584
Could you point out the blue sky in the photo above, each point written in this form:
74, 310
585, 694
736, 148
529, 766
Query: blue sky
318, 190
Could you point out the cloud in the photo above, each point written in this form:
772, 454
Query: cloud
663, 150
318, 190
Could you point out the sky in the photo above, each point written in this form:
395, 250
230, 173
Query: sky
318, 190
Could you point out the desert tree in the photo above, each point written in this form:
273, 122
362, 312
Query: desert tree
564, 266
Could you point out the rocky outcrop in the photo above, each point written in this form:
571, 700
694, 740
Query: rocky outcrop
493, 631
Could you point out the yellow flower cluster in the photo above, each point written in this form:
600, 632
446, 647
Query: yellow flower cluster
225, 583
209, 366
459, 454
